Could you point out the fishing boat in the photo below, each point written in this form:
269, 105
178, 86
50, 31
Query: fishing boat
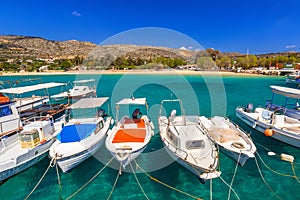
34, 105
81, 89
20, 151
83, 135
290, 109
273, 124
229, 137
187, 143
293, 78
130, 135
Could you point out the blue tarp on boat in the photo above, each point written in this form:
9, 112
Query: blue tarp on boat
75, 132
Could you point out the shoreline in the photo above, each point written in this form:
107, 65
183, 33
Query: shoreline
141, 72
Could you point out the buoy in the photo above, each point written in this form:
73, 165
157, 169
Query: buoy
287, 157
268, 132
270, 153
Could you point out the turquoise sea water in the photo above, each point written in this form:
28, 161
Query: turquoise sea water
207, 95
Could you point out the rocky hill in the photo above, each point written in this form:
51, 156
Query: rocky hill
21, 47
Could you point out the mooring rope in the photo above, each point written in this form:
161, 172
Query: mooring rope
82, 187
235, 170
50, 165
268, 186
166, 185
138, 182
115, 183
237, 196
58, 179
282, 174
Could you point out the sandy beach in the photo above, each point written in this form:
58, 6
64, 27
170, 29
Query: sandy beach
155, 72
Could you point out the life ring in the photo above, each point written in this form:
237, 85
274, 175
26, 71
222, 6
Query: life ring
238, 145
4, 99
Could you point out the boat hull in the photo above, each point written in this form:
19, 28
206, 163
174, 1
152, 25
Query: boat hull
68, 163
241, 158
278, 134
15, 167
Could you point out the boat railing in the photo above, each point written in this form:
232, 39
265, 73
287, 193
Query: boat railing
176, 148
37, 118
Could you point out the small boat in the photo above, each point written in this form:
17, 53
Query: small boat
20, 151
290, 109
293, 78
272, 123
83, 135
81, 89
230, 138
188, 144
130, 135
35, 105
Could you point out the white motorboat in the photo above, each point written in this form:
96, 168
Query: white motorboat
34, 105
289, 108
188, 144
130, 135
293, 78
81, 89
230, 138
83, 135
20, 151
273, 124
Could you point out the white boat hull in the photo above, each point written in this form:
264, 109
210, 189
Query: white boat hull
281, 135
24, 161
241, 157
68, 163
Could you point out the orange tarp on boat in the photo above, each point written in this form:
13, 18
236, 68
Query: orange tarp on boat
139, 122
129, 135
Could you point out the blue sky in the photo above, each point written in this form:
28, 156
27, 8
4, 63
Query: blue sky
232, 26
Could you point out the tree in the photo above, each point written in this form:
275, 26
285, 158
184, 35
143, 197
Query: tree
206, 62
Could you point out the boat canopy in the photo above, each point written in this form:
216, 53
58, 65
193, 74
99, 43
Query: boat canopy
133, 101
30, 88
89, 102
84, 81
75, 132
285, 91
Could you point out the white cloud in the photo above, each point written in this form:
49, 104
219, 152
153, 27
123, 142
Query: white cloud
76, 14
292, 46
183, 48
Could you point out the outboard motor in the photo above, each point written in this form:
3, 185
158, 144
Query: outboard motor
249, 107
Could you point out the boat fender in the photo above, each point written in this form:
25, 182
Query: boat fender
287, 157
254, 124
238, 145
269, 132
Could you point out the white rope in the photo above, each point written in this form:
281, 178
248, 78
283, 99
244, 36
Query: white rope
235, 170
268, 186
50, 165
71, 196
138, 182
58, 179
115, 183
229, 187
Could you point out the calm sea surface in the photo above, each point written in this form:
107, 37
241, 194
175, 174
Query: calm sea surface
204, 95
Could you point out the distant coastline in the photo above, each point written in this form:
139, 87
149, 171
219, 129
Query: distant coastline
142, 72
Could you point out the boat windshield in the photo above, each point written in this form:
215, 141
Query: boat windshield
194, 144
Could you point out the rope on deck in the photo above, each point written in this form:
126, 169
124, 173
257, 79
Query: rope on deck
164, 184
38, 183
235, 170
264, 180
115, 183
138, 182
82, 187
279, 173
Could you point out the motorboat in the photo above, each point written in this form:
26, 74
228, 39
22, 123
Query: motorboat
26, 148
229, 137
81, 89
131, 134
83, 134
273, 124
35, 105
187, 143
290, 109
293, 78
